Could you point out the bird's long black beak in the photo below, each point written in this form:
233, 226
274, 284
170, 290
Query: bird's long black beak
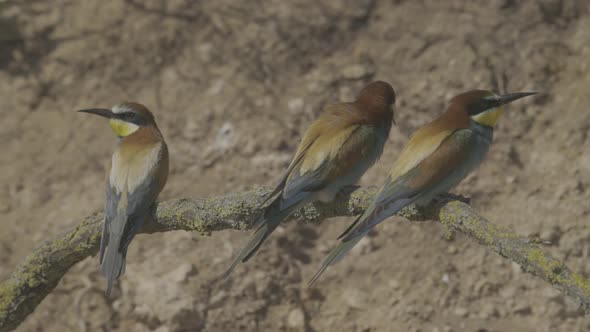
106, 113
510, 97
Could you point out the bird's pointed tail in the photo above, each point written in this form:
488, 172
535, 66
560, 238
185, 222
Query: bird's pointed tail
267, 223
113, 263
251, 247
103, 238
334, 257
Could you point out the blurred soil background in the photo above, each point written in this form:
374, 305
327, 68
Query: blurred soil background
233, 85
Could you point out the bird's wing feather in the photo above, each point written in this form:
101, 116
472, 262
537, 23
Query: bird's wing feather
313, 134
427, 139
302, 149
418, 148
144, 196
406, 188
309, 172
332, 157
110, 212
330, 147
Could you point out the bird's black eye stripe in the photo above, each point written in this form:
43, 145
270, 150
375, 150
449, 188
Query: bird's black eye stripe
128, 116
481, 106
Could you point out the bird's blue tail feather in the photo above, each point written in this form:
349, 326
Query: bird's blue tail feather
113, 262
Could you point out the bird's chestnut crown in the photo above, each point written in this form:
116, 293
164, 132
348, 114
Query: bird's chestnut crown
377, 92
377, 100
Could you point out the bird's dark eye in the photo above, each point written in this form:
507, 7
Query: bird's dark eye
481, 106
128, 116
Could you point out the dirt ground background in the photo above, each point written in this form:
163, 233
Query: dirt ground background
233, 85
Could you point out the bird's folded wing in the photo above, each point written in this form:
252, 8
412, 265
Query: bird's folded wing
144, 195
330, 148
302, 149
330, 157
403, 190
112, 198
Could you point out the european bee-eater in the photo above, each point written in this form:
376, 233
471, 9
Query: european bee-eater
138, 172
437, 157
336, 150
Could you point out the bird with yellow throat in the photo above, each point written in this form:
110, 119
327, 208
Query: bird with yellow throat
437, 157
138, 172
335, 151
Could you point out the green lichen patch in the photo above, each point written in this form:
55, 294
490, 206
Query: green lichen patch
550, 267
457, 215
8, 292
581, 283
449, 222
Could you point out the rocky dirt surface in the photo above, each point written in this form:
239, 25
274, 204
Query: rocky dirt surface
233, 85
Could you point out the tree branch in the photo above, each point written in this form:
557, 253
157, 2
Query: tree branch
41, 271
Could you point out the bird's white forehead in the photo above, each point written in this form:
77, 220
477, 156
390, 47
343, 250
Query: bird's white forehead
121, 108
491, 96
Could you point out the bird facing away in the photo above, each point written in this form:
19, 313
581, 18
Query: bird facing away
336, 150
437, 157
138, 172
